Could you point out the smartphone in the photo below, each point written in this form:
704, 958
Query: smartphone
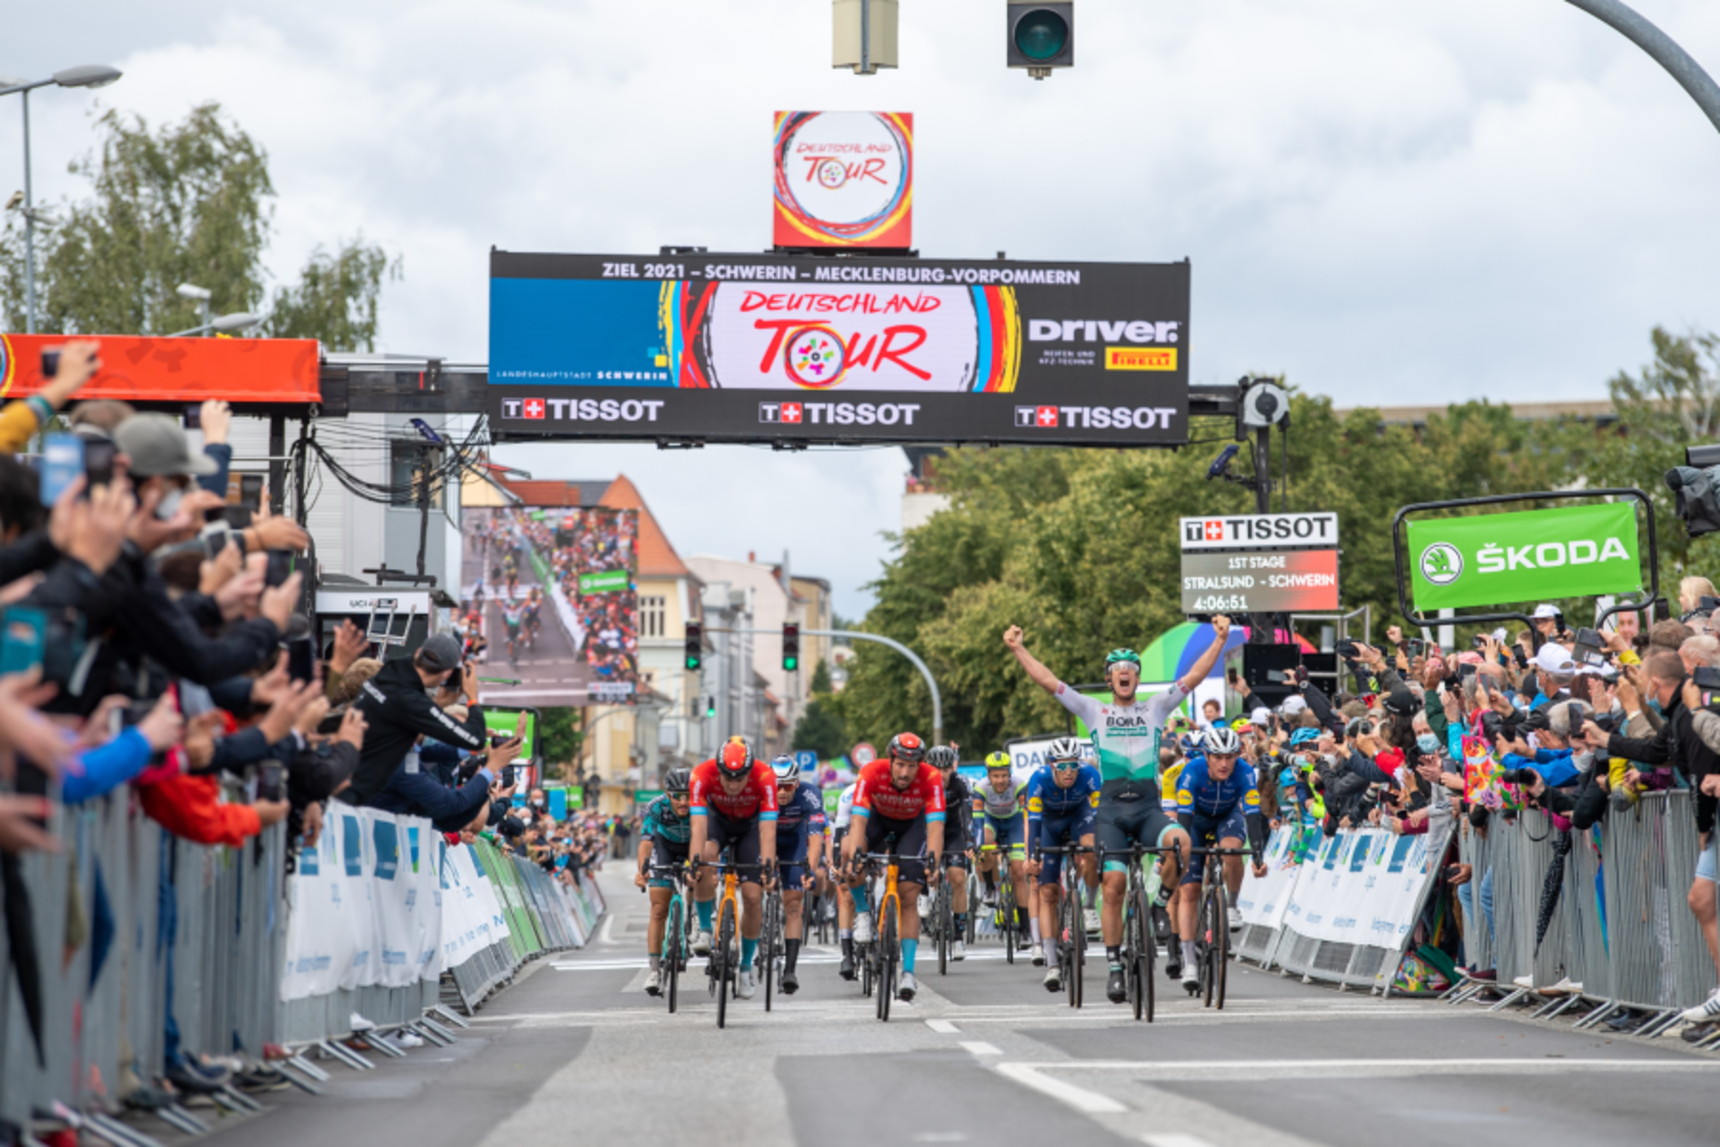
215, 538
269, 776
301, 659
1414, 646
1588, 648
251, 491
1479, 641
508, 772
280, 567
23, 634
98, 463
62, 464
50, 363
1521, 657
1467, 670
194, 416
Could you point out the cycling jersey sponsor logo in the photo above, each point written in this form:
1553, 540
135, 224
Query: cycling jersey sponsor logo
582, 409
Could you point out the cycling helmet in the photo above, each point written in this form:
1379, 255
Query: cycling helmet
786, 768
1221, 743
1190, 742
677, 781
1063, 749
1122, 656
941, 757
998, 761
1304, 736
906, 747
735, 759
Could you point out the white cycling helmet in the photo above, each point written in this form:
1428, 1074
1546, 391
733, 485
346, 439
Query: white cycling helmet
1221, 742
1063, 749
786, 768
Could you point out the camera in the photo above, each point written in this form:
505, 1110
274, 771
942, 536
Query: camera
1346, 648
1524, 777
1706, 677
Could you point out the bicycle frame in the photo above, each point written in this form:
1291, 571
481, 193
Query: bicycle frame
1138, 924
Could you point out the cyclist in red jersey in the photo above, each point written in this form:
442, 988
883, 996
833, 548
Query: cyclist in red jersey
732, 795
899, 798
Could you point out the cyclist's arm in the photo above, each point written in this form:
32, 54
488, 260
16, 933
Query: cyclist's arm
644, 855
1203, 664
696, 813
1036, 671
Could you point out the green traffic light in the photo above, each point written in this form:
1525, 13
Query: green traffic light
791, 663
692, 663
1041, 34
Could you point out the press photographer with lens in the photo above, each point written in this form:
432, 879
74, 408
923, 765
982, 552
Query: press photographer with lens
408, 698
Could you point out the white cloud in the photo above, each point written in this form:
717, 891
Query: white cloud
1390, 202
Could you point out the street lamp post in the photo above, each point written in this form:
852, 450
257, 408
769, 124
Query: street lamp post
83, 76
238, 321
1663, 49
200, 295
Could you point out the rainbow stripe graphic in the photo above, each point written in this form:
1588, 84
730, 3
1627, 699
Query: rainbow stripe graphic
998, 365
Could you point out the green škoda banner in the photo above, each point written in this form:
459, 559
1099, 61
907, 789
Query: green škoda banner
608, 581
1529, 555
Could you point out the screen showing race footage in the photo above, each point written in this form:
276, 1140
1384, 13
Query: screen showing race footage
549, 594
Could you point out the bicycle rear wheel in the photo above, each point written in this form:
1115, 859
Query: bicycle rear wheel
723, 957
1006, 905
769, 941
1209, 935
1221, 945
943, 924
671, 956
1077, 944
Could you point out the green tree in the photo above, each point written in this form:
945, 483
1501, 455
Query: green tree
188, 203
820, 679
821, 727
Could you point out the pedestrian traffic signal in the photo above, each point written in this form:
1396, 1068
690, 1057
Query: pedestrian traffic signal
710, 706
790, 646
1041, 37
695, 644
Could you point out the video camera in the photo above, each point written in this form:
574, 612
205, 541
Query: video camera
1696, 489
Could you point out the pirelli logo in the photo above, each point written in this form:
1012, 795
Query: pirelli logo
1140, 358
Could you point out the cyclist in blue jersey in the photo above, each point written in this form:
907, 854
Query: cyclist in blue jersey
1062, 802
799, 847
663, 838
1218, 800
1126, 732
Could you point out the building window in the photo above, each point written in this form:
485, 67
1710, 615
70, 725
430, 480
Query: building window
653, 616
405, 460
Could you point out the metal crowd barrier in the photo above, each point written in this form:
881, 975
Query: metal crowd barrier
123, 908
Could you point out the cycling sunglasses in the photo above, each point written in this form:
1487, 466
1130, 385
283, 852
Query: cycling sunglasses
1066, 766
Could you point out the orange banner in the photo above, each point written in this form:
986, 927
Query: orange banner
139, 369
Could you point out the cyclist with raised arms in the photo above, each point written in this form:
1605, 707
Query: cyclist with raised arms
733, 805
1217, 800
799, 846
958, 835
1126, 733
1062, 803
1002, 800
663, 840
899, 798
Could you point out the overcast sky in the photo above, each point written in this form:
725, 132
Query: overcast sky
1391, 203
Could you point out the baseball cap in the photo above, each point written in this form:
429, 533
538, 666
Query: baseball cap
1261, 716
439, 654
1545, 610
1401, 701
1551, 658
1292, 706
157, 445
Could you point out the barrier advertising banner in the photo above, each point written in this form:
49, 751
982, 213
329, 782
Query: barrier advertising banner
1362, 887
844, 179
551, 589
772, 348
1529, 555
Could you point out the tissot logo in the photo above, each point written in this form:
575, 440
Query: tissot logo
839, 413
532, 408
1094, 417
582, 409
789, 412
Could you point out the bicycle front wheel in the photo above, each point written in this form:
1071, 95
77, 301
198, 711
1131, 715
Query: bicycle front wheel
1143, 951
1077, 945
944, 923
768, 941
724, 955
889, 953
1006, 903
673, 940
1220, 952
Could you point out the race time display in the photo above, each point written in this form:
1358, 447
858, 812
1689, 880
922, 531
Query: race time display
787, 348
1260, 563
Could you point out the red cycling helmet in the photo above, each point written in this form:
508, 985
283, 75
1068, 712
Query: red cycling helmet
907, 747
735, 760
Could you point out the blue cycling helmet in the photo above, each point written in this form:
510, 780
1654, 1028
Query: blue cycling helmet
1304, 736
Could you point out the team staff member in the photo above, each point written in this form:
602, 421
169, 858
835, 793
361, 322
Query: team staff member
1126, 733
1062, 802
1218, 799
664, 837
733, 804
958, 807
899, 798
404, 701
800, 846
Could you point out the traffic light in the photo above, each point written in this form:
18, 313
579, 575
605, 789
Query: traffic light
790, 646
695, 644
710, 706
1041, 37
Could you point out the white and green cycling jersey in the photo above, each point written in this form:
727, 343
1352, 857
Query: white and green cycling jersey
1125, 737
1005, 804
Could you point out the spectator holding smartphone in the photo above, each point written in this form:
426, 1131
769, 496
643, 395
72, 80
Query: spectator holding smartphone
398, 707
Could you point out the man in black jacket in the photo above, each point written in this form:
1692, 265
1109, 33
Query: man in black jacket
398, 706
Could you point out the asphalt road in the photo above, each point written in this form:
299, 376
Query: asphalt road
577, 1053
550, 672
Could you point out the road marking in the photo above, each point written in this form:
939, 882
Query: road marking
1173, 1139
943, 1027
941, 1137
1166, 1069
1082, 1100
978, 1047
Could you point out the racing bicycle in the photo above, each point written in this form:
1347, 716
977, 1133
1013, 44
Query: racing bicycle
1140, 948
676, 948
1071, 923
1212, 926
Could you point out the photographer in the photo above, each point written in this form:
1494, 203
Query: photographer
417, 792
398, 707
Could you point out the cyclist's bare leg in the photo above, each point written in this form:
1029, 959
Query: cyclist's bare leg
957, 876
910, 894
660, 898
752, 914
791, 912
1050, 903
1232, 867
1089, 865
1115, 885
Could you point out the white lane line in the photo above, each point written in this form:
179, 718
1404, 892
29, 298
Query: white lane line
1173, 1139
603, 935
1165, 1068
943, 1027
978, 1047
1082, 1100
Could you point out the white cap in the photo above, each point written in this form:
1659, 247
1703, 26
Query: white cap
1261, 716
1552, 658
1292, 705
1545, 610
